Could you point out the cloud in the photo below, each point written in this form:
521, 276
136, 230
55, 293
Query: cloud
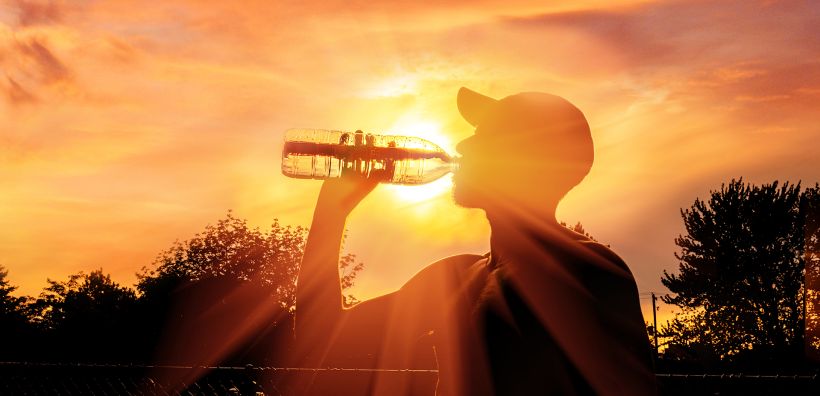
51, 69
31, 69
754, 62
687, 33
31, 13
16, 94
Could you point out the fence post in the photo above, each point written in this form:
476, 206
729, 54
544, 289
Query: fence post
655, 324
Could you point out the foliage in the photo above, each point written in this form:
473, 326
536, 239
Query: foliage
741, 272
229, 288
11, 308
579, 228
13, 319
232, 250
810, 205
87, 317
83, 300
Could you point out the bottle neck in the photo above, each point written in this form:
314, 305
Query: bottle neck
453, 162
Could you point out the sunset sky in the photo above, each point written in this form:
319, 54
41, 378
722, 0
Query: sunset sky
125, 126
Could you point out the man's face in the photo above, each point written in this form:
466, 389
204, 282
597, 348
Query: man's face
511, 165
493, 165
468, 180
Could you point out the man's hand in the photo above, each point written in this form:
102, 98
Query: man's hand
344, 194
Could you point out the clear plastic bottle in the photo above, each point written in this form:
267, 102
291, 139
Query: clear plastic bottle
324, 154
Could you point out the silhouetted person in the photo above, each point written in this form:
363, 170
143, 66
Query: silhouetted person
546, 312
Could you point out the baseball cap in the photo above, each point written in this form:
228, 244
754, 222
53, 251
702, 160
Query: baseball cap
539, 117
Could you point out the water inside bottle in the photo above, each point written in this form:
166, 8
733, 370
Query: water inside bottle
322, 154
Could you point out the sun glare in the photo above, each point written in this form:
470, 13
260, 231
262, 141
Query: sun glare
412, 126
424, 192
395, 86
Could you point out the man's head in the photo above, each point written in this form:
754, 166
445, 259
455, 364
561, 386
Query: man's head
527, 152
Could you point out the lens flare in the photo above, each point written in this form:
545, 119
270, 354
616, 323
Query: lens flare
425, 192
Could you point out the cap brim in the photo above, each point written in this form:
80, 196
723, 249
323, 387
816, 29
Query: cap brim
474, 106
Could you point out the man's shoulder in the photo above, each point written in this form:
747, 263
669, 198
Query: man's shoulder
447, 271
453, 265
604, 253
604, 272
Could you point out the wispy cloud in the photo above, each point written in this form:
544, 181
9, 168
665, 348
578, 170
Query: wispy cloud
50, 68
37, 12
17, 94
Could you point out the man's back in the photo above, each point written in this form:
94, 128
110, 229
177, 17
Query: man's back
467, 317
525, 356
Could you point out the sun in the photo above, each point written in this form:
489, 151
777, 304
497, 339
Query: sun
411, 125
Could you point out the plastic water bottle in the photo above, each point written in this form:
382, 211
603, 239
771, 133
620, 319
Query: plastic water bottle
324, 154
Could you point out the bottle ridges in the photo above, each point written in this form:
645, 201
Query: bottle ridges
361, 152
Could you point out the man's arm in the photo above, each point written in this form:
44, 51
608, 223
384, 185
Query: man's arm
355, 333
319, 300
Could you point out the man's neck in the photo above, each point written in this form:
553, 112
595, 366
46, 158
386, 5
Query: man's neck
507, 229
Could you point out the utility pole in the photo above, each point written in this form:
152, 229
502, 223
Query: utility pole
655, 323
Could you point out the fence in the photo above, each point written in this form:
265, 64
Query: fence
33, 379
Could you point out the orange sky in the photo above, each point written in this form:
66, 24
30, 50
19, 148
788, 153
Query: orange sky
125, 126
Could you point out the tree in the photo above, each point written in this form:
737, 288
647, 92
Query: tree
579, 228
811, 207
13, 320
80, 299
741, 273
227, 295
11, 307
86, 317
232, 250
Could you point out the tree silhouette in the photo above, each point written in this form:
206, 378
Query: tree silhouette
232, 250
226, 295
11, 308
741, 273
13, 319
579, 228
87, 317
810, 206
